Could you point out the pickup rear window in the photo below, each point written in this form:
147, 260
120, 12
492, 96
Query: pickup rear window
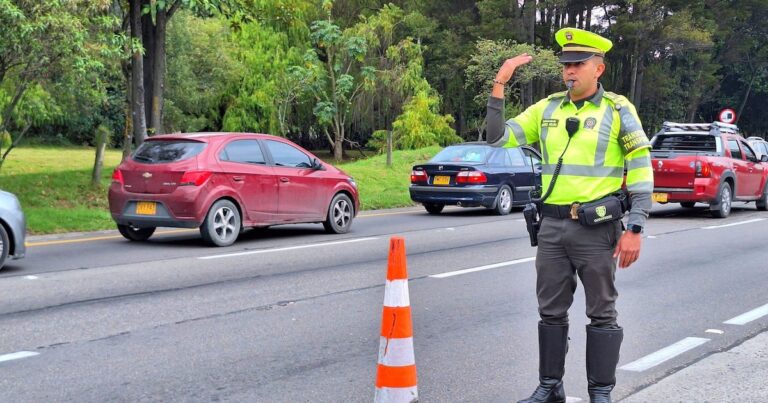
685, 142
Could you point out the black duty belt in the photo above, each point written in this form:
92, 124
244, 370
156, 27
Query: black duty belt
560, 211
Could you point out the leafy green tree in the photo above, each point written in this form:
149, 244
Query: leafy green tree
41, 42
337, 76
206, 74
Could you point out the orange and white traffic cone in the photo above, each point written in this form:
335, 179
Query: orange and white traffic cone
396, 373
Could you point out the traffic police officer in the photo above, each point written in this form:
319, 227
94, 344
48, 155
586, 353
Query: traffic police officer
608, 138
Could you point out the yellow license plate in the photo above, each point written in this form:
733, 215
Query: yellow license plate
146, 208
660, 197
441, 180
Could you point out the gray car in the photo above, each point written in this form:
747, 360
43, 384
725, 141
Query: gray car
13, 229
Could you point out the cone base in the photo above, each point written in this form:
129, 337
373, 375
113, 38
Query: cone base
397, 395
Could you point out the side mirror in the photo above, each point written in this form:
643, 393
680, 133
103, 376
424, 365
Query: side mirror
316, 164
764, 158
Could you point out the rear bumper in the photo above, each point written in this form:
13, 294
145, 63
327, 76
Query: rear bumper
469, 196
183, 208
704, 190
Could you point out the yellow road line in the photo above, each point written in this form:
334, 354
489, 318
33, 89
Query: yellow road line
96, 238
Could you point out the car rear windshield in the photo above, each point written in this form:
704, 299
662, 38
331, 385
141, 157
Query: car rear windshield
462, 154
685, 142
157, 152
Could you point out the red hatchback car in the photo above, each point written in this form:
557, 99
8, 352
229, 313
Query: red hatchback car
224, 182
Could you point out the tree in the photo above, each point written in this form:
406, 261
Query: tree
41, 42
337, 75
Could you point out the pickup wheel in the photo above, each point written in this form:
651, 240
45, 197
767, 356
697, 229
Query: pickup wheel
762, 202
723, 207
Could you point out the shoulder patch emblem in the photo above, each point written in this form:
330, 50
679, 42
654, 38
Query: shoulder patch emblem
590, 123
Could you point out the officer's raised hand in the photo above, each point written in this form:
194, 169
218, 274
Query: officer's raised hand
509, 66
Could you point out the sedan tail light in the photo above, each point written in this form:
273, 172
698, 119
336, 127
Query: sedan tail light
117, 176
194, 178
418, 176
471, 177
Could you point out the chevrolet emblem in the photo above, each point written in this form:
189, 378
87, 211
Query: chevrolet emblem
440, 167
146, 175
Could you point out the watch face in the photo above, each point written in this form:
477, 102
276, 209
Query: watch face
636, 229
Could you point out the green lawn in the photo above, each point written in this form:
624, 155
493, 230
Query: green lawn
53, 185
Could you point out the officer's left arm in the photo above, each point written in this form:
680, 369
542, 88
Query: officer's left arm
636, 147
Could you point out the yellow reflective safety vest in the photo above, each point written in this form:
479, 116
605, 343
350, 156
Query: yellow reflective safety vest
609, 135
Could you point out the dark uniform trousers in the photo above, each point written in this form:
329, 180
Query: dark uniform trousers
566, 249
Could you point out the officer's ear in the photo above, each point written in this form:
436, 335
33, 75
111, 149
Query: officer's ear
599, 65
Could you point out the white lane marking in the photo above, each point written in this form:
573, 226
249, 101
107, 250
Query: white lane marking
450, 229
314, 245
571, 399
31, 277
735, 223
715, 331
651, 236
480, 268
18, 355
666, 353
745, 318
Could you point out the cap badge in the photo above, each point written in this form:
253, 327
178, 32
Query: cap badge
569, 35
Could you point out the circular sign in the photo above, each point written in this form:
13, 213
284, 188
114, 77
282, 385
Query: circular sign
727, 115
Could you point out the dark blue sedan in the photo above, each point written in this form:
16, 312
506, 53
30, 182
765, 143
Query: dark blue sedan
476, 174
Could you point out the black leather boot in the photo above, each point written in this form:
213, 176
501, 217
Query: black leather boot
602, 356
553, 344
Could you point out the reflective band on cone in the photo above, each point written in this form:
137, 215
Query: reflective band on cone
396, 372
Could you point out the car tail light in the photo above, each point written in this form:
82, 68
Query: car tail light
418, 176
117, 176
703, 169
471, 177
194, 178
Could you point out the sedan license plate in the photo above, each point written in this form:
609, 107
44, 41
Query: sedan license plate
659, 197
146, 208
441, 180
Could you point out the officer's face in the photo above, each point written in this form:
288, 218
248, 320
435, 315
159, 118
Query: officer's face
584, 76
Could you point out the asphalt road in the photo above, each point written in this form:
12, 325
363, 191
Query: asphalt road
291, 314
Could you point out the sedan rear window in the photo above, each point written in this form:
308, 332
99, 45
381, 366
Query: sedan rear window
462, 154
156, 152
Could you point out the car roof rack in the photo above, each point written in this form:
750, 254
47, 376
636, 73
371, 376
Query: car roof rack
701, 127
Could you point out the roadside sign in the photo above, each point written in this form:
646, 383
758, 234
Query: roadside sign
727, 115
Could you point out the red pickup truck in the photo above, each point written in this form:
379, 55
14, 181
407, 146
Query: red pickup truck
707, 163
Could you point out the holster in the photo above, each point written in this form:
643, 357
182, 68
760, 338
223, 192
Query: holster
532, 222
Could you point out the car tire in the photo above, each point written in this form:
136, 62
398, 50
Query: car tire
434, 208
341, 211
132, 233
762, 202
724, 200
688, 204
503, 201
6, 245
222, 224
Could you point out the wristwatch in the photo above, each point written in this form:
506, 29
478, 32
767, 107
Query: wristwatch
635, 228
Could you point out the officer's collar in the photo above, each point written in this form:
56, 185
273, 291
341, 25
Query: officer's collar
596, 99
